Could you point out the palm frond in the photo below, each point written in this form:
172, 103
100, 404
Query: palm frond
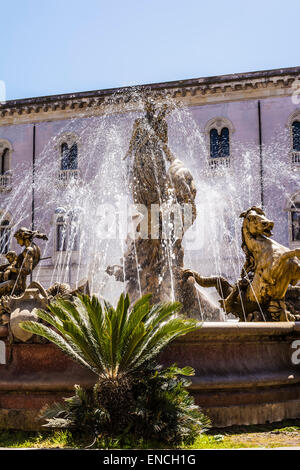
111, 341
58, 340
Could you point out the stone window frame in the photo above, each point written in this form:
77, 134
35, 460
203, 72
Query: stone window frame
294, 156
6, 177
218, 123
68, 175
6, 216
61, 212
294, 198
3, 144
60, 221
69, 138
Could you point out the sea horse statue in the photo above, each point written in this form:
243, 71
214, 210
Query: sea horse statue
270, 271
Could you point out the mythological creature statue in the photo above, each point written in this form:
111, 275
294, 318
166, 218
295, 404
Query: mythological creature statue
15, 273
6, 269
19, 301
153, 264
269, 272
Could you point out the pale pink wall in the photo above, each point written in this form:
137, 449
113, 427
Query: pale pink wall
21, 139
280, 180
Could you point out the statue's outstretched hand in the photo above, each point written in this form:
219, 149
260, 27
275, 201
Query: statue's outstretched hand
188, 273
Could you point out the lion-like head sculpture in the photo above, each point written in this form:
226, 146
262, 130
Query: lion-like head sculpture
256, 223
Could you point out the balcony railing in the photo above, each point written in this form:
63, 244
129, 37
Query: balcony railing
219, 162
68, 176
6, 182
296, 159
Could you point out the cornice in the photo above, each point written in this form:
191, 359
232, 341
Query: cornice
192, 92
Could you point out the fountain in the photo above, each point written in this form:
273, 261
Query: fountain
244, 370
153, 261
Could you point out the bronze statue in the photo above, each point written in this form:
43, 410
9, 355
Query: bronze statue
18, 302
6, 269
148, 177
15, 274
153, 264
269, 272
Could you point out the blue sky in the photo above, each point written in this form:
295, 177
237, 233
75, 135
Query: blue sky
64, 46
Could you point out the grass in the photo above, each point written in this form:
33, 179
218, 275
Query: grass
66, 439
23, 439
284, 434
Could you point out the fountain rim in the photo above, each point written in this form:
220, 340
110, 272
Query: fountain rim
229, 329
238, 329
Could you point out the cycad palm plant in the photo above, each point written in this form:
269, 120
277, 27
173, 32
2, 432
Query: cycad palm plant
120, 346
111, 342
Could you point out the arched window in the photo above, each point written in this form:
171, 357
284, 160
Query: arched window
214, 143
74, 233
5, 165
67, 230
295, 221
69, 156
68, 148
293, 125
61, 234
219, 143
4, 161
218, 133
4, 236
224, 142
296, 136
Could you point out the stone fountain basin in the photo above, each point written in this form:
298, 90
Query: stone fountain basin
244, 374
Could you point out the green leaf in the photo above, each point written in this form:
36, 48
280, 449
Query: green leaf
112, 341
58, 340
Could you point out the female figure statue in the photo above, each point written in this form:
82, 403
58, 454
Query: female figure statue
25, 262
148, 177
